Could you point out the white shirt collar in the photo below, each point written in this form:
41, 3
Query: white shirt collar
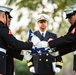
43, 32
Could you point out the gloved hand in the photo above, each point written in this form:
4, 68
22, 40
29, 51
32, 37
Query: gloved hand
27, 55
75, 52
42, 44
32, 69
55, 69
50, 39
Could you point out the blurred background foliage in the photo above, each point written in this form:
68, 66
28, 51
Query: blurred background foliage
57, 23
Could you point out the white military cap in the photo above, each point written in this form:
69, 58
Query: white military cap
74, 8
5, 9
69, 12
42, 17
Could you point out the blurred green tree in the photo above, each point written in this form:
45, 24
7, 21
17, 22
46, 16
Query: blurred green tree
21, 68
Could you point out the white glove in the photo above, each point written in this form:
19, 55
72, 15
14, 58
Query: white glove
27, 55
32, 69
55, 69
50, 39
42, 44
75, 52
14, 73
35, 40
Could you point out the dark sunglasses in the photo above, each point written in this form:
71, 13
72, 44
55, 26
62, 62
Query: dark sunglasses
42, 21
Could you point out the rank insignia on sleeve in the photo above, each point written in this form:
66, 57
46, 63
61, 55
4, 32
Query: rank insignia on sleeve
9, 32
73, 31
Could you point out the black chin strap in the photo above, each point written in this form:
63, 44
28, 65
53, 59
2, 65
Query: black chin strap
6, 18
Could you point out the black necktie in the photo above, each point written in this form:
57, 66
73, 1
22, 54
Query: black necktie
42, 36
